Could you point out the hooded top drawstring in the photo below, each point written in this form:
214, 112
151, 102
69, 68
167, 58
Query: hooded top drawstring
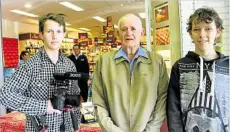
201, 72
201, 87
213, 77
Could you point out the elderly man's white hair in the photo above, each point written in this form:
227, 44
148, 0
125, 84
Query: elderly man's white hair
128, 16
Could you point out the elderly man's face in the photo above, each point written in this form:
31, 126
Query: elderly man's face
130, 31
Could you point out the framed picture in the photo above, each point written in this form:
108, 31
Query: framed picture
162, 36
161, 13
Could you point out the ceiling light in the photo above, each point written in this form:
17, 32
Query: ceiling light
99, 19
142, 14
71, 6
27, 5
115, 26
24, 13
85, 29
67, 24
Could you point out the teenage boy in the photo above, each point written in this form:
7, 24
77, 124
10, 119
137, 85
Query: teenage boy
29, 90
198, 92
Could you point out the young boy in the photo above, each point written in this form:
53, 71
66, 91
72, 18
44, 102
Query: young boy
198, 92
30, 89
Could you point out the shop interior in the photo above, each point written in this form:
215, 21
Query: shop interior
167, 29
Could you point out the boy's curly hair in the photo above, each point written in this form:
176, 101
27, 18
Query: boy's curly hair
207, 15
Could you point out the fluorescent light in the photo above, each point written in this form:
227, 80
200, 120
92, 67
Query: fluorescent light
142, 14
71, 6
24, 13
99, 19
27, 5
115, 26
67, 24
85, 29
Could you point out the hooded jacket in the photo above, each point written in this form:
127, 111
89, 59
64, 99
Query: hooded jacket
198, 95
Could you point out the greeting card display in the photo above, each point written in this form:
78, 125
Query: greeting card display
10, 52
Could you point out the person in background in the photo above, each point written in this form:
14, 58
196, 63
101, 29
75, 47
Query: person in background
24, 56
198, 92
30, 90
129, 85
81, 63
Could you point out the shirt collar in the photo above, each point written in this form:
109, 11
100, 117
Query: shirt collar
140, 52
45, 56
78, 54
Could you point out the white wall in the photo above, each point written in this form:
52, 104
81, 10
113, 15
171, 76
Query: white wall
2, 108
187, 7
9, 29
27, 28
12, 29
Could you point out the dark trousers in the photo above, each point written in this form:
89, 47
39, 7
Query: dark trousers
84, 89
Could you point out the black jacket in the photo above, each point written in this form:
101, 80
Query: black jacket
198, 95
81, 63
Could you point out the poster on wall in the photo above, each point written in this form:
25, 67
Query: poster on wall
162, 36
10, 52
109, 21
83, 39
82, 36
161, 13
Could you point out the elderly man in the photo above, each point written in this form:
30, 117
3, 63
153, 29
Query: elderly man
130, 84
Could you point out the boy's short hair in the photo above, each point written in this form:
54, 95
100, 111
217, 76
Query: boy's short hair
207, 15
78, 45
59, 18
23, 53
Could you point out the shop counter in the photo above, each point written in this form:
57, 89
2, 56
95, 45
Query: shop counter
15, 122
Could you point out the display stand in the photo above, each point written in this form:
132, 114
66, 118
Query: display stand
166, 31
30, 42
